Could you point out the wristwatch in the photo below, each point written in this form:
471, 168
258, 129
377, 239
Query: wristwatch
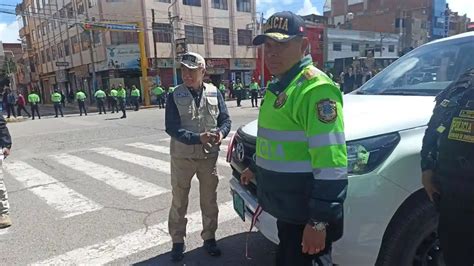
318, 226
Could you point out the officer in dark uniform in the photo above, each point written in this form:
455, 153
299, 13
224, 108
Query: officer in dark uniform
447, 162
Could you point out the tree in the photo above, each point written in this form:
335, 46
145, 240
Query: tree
8, 67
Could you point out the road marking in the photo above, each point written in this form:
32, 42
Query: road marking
154, 164
56, 194
132, 243
114, 178
166, 150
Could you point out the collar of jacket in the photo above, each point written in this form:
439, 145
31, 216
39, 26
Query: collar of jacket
281, 84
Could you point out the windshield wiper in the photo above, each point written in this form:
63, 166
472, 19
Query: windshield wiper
405, 92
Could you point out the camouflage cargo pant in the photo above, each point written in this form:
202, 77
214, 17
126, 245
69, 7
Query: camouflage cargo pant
4, 206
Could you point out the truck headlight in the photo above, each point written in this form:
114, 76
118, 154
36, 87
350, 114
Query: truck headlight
364, 155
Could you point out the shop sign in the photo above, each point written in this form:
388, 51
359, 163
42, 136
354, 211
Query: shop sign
242, 64
123, 56
217, 63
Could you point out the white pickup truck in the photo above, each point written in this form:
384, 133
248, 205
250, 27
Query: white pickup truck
388, 217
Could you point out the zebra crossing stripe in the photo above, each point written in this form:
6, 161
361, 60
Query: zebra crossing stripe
114, 178
132, 243
166, 150
154, 164
55, 193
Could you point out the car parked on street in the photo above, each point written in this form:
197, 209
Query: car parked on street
389, 219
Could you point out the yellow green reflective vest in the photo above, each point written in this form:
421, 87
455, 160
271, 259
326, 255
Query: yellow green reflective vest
56, 97
302, 129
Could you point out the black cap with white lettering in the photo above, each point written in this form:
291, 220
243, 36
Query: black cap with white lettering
281, 27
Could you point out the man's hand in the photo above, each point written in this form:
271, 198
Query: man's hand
246, 176
6, 152
218, 137
427, 181
206, 137
313, 241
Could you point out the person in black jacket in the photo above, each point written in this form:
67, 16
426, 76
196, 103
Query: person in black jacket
447, 164
6, 143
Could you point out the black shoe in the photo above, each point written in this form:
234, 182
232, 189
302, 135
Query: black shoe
56, 116
100, 113
177, 252
123, 117
211, 248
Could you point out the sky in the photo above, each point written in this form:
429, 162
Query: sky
9, 25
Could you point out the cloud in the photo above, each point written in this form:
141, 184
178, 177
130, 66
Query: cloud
269, 12
9, 32
308, 8
462, 7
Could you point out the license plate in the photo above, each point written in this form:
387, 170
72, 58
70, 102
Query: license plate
239, 205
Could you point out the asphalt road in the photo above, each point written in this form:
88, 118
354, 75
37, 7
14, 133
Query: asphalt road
96, 190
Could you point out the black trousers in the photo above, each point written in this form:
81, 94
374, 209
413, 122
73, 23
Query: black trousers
34, 108
456, 225
58, 107
238, 94
254, 95
122, 106
100, 105
289, 251
160, 101
114, 105
82, 107
22, 107
11, 110
135, 102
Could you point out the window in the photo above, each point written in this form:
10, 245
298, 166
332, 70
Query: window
76, 48
337, 46
163, 1
48, 54
62, 13
33, 37
219, 4
43, 58
92, 3
69, 10
243, 5
122, 37
60, 50
244, 37
43, 29
85, 40
194, 34
355, 47
97, 37
53, 52
162, 32
221, 36
192, 2
67, 49
391, 48
80, 7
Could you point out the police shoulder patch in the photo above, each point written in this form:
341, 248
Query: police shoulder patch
326, 110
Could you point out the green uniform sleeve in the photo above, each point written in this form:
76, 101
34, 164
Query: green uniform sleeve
320, 115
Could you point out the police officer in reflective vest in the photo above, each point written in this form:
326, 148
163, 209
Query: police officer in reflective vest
447, 163
301, 156
197, 120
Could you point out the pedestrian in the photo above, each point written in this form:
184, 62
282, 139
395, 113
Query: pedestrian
197, 120
159, 94
109, 99
11, 101
238, 91
301, 156
100, 96
349, 81
447, 164
113, 98
56, 99
21, 102
254, 88
122, 97
34, 100
81, 101
6, 142
222, 88
5, 99
63, 99
135, 95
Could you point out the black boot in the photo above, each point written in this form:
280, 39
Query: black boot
211, 247
177, 252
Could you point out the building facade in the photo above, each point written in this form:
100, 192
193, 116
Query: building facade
67, 40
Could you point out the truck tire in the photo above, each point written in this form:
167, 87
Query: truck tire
411, 237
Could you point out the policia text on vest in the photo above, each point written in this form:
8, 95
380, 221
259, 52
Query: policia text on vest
197, 119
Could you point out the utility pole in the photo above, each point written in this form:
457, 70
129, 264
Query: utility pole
154, 37
173, 45
91, 50
143, 62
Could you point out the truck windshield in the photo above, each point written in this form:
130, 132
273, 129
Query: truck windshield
426, 70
